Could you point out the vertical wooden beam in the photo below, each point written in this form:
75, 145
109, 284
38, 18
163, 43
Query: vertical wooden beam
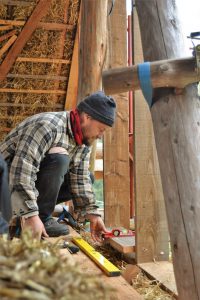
30, 26
92, 50
177, 132
72, 87
152, 237
116, 149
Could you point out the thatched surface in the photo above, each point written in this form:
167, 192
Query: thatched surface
53, 44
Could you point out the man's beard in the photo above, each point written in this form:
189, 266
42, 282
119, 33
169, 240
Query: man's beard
87, 142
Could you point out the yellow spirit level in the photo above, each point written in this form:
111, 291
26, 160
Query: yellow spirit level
97, 257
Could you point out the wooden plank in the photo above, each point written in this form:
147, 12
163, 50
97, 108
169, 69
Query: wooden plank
7, 45
164, 73
7, 35
6, 27
116, 141
163, 272
61, 45
177, 131
152, 238
37, 77
124, 291
93, 16
29, 91
60, 106
43, 25
30, 26
123, 244
72, 87
16, 3
43, 60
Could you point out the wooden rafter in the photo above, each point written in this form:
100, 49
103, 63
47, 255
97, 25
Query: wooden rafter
7, 45
37, 77
43, 60
29, 91
7, 35
44, 25
16, 3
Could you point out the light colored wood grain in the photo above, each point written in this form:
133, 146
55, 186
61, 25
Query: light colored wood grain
163, 272
28, 91
151, 226
123, 244
7, 45
44, 25
37, 77
72, 87
116, 149
6, 27
43, 60
7, 35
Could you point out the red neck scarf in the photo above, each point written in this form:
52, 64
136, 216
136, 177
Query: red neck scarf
76, 126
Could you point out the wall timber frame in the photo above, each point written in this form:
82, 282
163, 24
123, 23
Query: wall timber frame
152, 237
116, 150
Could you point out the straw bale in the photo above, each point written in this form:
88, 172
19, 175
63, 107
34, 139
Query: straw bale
3, 11
32, 269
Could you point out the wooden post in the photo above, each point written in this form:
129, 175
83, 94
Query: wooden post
177, 134
152, 236
116, 150
92, 50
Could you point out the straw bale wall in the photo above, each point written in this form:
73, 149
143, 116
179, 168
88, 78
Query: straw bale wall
38, 79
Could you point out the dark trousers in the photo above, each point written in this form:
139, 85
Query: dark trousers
52, 183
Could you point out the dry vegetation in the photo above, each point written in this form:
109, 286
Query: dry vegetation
31, 269
53, 44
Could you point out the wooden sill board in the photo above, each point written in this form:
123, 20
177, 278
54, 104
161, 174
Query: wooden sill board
123, 244
163, 272
124, 291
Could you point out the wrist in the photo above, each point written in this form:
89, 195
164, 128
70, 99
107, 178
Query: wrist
90, 216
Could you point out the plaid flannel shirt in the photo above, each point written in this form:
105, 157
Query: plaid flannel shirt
25, 147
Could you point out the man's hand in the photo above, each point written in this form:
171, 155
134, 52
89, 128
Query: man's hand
97, 227
35, 225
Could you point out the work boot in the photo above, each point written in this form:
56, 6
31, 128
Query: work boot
53, 228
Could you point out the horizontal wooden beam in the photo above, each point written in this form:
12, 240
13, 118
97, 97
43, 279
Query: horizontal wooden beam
29, 91
43, 25
37, 77
7, 45
43, 60
31, 105
16, 3
6, 27
7, 35
165, 73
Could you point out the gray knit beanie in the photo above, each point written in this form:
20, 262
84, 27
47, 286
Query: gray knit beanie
100, 107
